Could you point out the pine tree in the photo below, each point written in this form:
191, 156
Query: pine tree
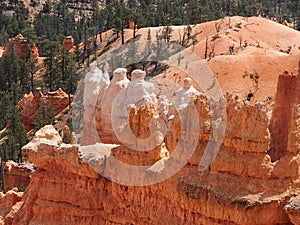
4, 109
14, 136
70, 77
14, 75
51, 77
44, 116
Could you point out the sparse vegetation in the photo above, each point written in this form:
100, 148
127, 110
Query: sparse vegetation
238, 25
287, 51
45, 115
254, 77
216, 36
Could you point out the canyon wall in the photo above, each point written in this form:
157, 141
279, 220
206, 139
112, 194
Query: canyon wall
286, 99
10, 203
242, 185
17, 175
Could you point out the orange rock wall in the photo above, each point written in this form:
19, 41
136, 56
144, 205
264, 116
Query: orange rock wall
10, 203
17, 175
287, 96
242, 186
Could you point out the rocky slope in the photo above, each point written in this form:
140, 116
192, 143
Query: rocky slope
260, 46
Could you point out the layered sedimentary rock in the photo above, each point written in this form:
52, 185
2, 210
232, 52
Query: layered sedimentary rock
29, 105
17, 175
103, 109
127, 114
293, 144
237, 183
286, 100
58, 99
241, 186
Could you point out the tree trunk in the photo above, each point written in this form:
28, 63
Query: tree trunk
50, 67
20, 155
31, 81
134, 29
122, 31
2, 176
206, 48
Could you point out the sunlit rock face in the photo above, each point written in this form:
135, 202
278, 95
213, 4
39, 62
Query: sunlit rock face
104, 106
95, 82
10, 204
285, 116
242, 185
186, 94
127, 114
17, 175
139, 89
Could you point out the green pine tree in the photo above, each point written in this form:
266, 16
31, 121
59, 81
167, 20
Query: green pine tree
44, 116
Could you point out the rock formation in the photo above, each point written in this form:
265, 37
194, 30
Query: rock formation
185, 94
287, 100
30, 104
132, 112
140, 129
95, 82
58, 99
104, 106
293, 209
243, 185
139, 89
17, 175
10, 203
68, 42
21, 47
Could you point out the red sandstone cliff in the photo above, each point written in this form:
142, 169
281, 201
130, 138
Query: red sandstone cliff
10, 203
284, 119
242, 185
17, 175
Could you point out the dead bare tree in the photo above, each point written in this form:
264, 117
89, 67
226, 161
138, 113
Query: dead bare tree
229, 23
241, 40
206, 47
212, 52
